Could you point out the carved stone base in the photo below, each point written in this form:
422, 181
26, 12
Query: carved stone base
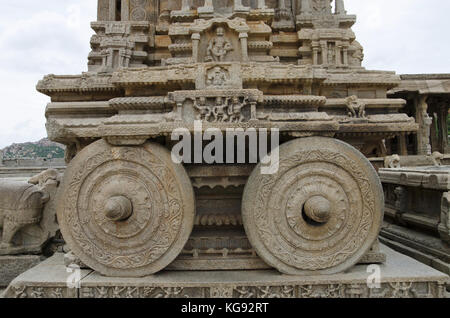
420, 246
13, 266
401, 276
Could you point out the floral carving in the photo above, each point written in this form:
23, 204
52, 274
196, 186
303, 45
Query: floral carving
162, 206
328, 176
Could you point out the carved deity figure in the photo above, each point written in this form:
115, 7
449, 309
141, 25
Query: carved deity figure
205, 112
216, 77
331, 55
220, 110
235, 110
218, 47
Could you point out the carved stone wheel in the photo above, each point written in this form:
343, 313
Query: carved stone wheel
320, 213
126, 211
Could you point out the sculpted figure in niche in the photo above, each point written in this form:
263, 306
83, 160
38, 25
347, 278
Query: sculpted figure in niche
356, 108
235, 111
205, 112
220, 110
218, 47
216, 77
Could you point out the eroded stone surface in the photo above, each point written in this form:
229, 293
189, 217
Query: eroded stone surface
27, 213
13, 266
401, 277
294, 66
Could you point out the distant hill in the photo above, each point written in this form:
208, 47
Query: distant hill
33, 150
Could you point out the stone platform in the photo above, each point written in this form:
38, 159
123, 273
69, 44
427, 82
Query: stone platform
13, 266
401, 276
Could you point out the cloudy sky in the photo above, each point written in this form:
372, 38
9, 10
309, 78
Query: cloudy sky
52, 37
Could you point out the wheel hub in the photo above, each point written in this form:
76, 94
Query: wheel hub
318, 209
118, 208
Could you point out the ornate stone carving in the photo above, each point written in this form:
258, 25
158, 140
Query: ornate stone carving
313, 203
225, 110
25, 221
444, 225
392, 162
356, 107
218, 47
126, 211
217, 77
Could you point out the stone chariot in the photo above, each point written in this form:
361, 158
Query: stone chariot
125, 208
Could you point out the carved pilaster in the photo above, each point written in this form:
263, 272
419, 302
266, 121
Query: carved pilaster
262, 4
125, 10
186, 5
305, 7
424, 121
207, 10
444, 225
195, 47
243, 37
112, 10
239, 7
340, 8
324, 47
443, 127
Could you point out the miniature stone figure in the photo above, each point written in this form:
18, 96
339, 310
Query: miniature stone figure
23, 205
357, 109
218, 47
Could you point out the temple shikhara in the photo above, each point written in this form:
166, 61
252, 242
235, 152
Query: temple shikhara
139, 224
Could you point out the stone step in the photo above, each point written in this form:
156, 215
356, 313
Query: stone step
401, 276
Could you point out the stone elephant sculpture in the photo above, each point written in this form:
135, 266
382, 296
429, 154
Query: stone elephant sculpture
22, 206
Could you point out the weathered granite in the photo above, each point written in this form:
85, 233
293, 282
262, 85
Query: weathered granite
401, 277
13, 266
27, 213
126, 209
419, 196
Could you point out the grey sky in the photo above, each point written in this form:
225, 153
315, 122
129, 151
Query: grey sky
52, 37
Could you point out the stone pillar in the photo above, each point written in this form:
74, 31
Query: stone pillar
444, 224
340, 8
1, 158
338, 49
186, 5
195, 45
262, 4
315, 55
239, 7
207, 10
402, 145
244, 46
345, 55
164, 12
179, 111
125, 10
424, 121
324, 53
112, 10
305, 7
443, 127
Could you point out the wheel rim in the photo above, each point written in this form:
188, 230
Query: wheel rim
320, 213
126, 211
